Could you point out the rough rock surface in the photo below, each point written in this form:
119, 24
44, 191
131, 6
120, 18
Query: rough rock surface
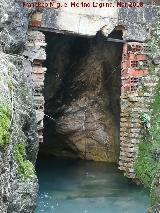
18, 182
83, 105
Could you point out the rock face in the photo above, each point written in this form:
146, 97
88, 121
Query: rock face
18, 182
85, 106
18, 137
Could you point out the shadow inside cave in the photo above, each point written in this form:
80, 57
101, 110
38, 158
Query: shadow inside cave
82, 96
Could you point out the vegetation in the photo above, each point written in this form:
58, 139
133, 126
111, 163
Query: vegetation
14, 108
148, 162
5, 102
145, 118
25, 167
5, 117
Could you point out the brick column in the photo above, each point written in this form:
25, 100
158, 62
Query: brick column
35, 51
134, 100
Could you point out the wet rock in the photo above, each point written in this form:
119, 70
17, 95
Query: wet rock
87, 111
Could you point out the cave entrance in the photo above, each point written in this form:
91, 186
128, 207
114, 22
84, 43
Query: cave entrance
82, 97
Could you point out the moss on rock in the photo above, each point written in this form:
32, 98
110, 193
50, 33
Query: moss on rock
148, 162
5, 117
25, 167
147, 166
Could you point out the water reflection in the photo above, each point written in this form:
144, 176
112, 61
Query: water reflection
86, 187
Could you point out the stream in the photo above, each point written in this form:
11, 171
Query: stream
71, 186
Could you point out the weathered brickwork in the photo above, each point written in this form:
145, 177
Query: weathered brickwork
134, 100
135, 63
35, 50
36, 20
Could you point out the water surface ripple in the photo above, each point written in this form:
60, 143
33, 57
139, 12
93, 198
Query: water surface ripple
86, 187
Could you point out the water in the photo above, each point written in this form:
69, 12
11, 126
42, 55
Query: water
86, 187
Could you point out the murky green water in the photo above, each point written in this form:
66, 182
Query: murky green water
87, 187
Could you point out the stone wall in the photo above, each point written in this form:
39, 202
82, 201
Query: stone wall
134, 28
78, 20
35, 53
89, 21
137, 95
18, 140
18, 137
139, 155
132, 105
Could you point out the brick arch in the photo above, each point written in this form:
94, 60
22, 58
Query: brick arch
134, 68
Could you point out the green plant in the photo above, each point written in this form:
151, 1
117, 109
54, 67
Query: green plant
5, 117
147, 165
145, 118
25, 167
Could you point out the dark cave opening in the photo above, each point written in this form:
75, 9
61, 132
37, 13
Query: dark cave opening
82, 96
